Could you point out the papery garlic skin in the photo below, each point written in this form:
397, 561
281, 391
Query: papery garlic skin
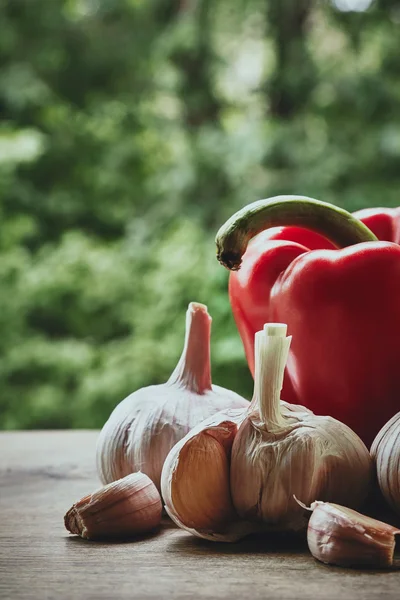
340, 536
147, 424
315, 457
195, 480
385, 451
283, 450
123, 508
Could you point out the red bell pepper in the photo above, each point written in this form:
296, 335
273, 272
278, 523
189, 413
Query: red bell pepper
326, 275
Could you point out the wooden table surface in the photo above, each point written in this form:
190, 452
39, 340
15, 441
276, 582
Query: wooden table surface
43, 473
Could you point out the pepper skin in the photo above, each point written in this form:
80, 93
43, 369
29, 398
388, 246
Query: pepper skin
339, 296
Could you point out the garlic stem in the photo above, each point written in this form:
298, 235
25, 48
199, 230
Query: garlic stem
271, 352
193, 369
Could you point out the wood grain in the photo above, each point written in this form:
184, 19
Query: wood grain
43, 473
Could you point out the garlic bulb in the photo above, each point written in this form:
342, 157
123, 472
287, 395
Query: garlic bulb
236, 472
337, 535
282, 450
145, 426
385, 451
121, 509
195, 480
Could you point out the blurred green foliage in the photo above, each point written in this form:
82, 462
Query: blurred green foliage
130, 130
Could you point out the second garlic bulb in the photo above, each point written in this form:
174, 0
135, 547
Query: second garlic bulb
145, 426
385, 451
282, 450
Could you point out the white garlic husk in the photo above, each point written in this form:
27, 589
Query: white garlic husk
282, 450
144, 427
195, 480
385, 451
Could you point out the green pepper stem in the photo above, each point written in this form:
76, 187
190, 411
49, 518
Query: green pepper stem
336, 224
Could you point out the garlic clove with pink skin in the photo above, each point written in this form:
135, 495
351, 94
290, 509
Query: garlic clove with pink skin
147, 424
282, 450
121, 509
195, 480
340, 536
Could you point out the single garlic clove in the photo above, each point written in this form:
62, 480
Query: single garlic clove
195, 480
385, 451
123, 508
341, 536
